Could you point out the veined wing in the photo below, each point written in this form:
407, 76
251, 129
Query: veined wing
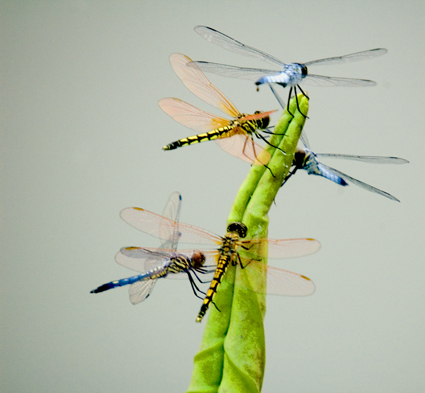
359, 183
278, 282
257, 116
190, 116
234, 46
198, 84
284, 248
171, 211
367, 54
252, 74
142, 259
368, 159
327, 81
242, 146
140, 290
149, 222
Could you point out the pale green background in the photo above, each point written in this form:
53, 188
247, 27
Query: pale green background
81, 139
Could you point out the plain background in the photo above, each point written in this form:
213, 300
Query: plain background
81, 139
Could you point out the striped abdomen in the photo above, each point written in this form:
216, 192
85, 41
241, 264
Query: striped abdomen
221, 132
222, 265
176, 264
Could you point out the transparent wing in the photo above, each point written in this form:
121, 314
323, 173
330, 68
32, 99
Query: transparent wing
142, 259
171, 211
369, 159
287, 248
279, 282
360, 183
327, 81
367, 54
140, 290
190, 116
252, 74
243, 147
198, 84
234, 46
149, 222
257, 116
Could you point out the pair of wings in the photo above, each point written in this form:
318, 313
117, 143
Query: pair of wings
279, 282
325, 169
254, 74
240, 144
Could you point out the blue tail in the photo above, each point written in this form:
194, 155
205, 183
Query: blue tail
120, 283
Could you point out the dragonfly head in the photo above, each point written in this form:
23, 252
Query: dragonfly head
263, 122
198, 259
304, 70
239, 228
299, 158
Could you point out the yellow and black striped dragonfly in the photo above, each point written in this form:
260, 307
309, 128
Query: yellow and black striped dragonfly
226, 252
235, 135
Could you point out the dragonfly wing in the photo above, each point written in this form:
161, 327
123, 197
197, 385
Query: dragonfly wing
142, 259
234, 46
361, 184
150, 223
190, 116
252, 74
171, 211
327, 81
278, 281
140, 290
364, 55
194, 79
243, 147
369, 159
291, 248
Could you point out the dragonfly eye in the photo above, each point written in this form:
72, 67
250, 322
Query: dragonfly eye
304, 70
198, 259
299, 158
239, 228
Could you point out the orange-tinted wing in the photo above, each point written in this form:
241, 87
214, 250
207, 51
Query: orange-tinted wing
257, 116
194, 79
242, 146
190, 116
287, 248
156, 225
279, 282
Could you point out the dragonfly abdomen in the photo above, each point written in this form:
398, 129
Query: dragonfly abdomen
121, 283
207, 136
222, 265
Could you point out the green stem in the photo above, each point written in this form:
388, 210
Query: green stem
232, 353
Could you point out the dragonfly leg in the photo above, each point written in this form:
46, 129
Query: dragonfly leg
258, 135
289, 100
215, 305
289, 175
269, 170
195, 288
296, 99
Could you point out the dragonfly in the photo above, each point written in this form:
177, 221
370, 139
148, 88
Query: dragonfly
224, 250
289, 74
155, 263
235, 135
308, 160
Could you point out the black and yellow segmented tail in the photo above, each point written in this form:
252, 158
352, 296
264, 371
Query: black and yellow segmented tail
207, 136
222, 265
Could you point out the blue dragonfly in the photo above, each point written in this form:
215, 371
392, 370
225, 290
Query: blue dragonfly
289, 74
155, 263
308, 160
